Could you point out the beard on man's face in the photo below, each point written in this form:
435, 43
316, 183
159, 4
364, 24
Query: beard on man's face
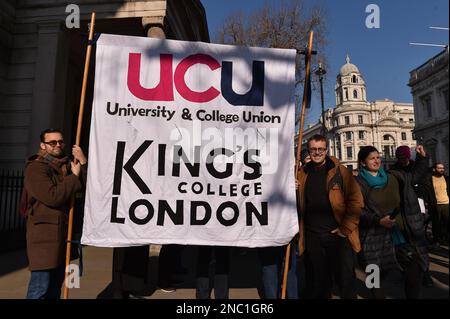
58, 153
438, 173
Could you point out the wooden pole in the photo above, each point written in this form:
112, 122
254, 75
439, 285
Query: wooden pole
77, 142
299, 147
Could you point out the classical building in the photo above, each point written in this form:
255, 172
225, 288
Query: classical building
42, 61
429, 87
355, 122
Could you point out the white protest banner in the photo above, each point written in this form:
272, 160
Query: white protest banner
190, 143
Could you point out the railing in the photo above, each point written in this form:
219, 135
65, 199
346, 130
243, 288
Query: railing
12, 225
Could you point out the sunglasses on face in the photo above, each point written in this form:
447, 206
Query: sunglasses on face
53, 143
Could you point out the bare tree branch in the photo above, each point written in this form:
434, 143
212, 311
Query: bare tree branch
285, 25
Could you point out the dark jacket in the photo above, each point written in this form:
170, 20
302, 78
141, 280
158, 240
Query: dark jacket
346, 203
376, 241
410, 208
49, 199
419, 188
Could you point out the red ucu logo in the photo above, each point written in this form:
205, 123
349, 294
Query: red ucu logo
163, 91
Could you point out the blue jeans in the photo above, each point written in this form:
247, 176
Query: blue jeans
272, 262
46, 284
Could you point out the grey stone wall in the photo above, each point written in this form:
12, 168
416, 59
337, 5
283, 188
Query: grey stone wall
35, 50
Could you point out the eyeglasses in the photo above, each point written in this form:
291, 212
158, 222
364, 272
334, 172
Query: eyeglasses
53, 143
317, 150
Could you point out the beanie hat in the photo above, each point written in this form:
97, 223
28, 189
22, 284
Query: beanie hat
403, 151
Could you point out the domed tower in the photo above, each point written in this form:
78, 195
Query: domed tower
350, 85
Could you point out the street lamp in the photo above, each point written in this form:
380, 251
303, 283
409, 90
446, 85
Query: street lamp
320, 72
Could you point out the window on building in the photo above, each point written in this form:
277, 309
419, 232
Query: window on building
355, 94
348, 135
354, 79
444, 93
387, 151
349, 152
404, 136
430, 146
347, 120
386, 137
411, 120
360, 119
336, 122
346, 94
426, 102
361, 135
402, 120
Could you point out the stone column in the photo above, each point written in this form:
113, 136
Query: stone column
154, 27
331, 145
376, 139
335, 144
44, 86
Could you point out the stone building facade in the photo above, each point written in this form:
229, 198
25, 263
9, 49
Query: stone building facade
429, 87
355, 122
42, 61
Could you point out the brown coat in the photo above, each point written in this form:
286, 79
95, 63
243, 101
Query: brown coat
49, 194
346, 207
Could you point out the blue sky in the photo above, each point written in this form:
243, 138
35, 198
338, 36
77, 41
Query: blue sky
383, 56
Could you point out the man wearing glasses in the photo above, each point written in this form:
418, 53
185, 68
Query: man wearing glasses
330, 203
50, 181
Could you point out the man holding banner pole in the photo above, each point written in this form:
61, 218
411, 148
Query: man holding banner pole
50, 181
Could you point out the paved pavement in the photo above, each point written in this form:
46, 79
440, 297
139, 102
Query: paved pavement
244, 277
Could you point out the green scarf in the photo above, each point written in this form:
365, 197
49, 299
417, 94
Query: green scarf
378, 181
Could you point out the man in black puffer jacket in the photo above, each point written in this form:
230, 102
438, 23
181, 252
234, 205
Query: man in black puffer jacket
412, 174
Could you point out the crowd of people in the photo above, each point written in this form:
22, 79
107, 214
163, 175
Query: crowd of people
346, 219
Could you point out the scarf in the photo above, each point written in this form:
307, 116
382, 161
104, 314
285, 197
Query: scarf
60, 164
378, 181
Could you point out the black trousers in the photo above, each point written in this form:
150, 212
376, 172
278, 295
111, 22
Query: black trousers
413, 280
328, 257
169, 262
413, 277
206, 256
442, 212
129, 273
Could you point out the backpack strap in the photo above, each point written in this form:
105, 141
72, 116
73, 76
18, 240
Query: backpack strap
337, 179
368, 202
